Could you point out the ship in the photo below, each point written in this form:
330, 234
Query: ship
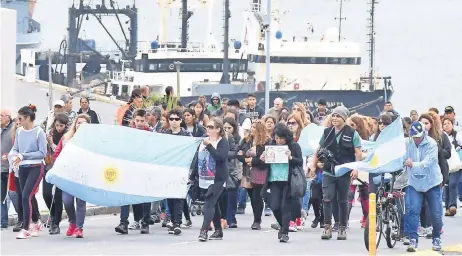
302, 68
28, 34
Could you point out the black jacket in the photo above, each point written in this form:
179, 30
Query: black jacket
198, 131
220, 155
93, 115
444, 153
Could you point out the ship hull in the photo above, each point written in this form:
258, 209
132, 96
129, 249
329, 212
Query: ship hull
365, 103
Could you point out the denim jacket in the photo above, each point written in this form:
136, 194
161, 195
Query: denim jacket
425, 172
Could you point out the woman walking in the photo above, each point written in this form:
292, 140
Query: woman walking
29, 150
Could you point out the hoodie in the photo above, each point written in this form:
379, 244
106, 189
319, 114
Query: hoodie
425, 172
215, 110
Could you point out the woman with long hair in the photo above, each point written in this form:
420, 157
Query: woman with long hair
199, 111
283, 118
454, 177
54, 200
359, 124
255, 171
300, 109
212, 171
29, 150
269, 122
296, 125
76, 218
191, 125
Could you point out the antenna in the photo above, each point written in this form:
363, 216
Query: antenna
371, 43
340, 18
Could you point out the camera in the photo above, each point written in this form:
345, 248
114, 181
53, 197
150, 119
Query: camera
326, 156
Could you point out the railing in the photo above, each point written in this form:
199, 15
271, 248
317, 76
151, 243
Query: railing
145, 47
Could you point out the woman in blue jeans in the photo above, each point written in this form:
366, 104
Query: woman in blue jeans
425, 181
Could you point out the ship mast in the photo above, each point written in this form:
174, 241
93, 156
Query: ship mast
371, 42
340, 18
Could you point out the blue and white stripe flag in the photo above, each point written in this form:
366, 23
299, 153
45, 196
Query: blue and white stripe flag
311, 135
112, 165
386, 156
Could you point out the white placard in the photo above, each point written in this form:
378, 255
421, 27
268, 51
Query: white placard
276, 154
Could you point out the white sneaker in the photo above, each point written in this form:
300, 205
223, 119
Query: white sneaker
23, 234
169, 224
35, 229
135, 226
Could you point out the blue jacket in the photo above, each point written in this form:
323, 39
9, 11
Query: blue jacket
425, 172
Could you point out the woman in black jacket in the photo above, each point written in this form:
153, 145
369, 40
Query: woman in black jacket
191, 125
279, 180
212, 169
255, 170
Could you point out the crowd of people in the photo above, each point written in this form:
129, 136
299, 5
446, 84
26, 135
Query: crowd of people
230, 166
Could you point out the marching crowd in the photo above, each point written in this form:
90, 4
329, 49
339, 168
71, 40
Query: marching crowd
230, 166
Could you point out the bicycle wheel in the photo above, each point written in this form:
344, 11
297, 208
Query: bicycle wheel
378, 230
393, 228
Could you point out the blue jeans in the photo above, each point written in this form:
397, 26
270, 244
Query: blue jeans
242, 198
413, 206
4, 207
232, 206
306, 198
451, 192
460, 189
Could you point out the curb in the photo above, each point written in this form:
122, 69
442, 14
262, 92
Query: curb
91, 211
65, 89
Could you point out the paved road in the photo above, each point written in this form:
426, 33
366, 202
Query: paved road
100, 238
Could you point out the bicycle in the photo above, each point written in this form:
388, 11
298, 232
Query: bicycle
388, 217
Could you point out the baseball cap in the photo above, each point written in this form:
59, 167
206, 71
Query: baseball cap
416, 130
449, 109
66, 98
59, 103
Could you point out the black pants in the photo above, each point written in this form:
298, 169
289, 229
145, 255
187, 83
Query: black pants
29, 180
332, 186
316, 201
335, 208
296, 208
187, 216
256, 200
281, 204
425, 219
211, 208
55, 205
175, 206
224, 204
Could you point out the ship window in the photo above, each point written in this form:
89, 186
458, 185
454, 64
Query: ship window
141, 68
307, 60
152, 67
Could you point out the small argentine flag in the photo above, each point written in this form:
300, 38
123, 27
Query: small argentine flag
111, 165
386, 156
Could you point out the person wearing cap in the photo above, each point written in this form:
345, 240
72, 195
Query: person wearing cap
67, 99
85, 109
321, 112
425, 181
449, 113
58, 107
343, 145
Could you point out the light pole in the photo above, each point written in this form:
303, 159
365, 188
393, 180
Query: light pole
268, 56
50, 81
178, 66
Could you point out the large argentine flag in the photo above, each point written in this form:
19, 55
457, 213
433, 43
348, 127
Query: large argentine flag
311, 135
387, 155
112, 165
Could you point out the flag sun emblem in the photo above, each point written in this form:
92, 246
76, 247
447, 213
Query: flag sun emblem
111, 174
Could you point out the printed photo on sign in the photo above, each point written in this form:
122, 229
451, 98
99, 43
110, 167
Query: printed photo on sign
276, 154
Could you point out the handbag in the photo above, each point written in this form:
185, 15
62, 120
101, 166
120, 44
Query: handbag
298, 182
454, 161
258, 175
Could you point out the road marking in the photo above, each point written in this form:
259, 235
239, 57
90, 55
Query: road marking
182, 243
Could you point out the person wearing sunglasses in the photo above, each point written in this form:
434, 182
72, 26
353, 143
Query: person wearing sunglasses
343, 145
175, 205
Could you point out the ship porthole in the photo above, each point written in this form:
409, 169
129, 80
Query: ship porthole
313, 60
171, 66
344, 60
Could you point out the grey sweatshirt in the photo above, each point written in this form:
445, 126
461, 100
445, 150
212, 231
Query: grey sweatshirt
31, 144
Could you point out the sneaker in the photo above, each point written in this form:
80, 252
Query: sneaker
256, 226
188, 224
35, 229
144, 229
304, 214
224, 224
71, 230
203, 236
406, 240
412, 245
299, 223
217, 235
78, 233
49, 223
363, 222
135, 226
240, 211
152, 219
452, 210
447, 213
233, 225
169, 224
342, 234
284, 238
122, 229
315, 223
422, 232
275, 226
327, 232
171, 231
268, 212
436, 244
177, 230
54, 230
17, 227
429, 232
292, 227
23, 234
335, 227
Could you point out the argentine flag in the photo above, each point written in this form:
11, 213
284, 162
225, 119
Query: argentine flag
111, 165
387, 154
